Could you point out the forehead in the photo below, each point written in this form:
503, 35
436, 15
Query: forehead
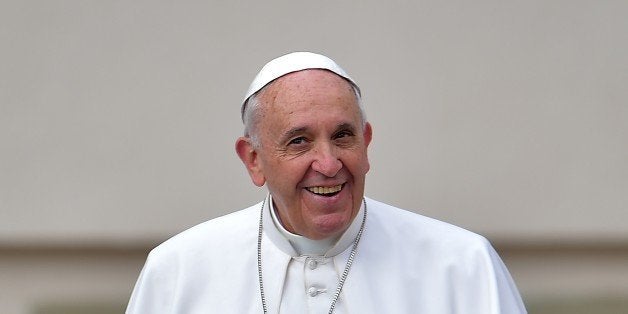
307, 88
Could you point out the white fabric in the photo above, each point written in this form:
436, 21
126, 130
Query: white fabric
311, 280
293, 62
405, 263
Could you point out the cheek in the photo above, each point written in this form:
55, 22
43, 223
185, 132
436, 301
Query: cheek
287, 174
358, 165
365, 161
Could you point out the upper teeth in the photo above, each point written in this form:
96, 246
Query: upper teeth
324, 189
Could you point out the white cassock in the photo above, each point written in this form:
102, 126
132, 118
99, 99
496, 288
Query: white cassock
404, 263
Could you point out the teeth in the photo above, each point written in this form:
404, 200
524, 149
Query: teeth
325, 189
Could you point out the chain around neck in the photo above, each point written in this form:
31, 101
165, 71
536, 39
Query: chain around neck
343, 278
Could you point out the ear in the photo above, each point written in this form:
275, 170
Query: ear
368, 134
248, 155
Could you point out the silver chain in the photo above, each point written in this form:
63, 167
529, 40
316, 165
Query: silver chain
345, 273
259, 258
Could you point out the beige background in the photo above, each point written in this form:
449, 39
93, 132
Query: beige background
118, 118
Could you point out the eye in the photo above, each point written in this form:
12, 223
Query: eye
297, 141
343, 134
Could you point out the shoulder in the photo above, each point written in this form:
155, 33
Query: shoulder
435, 256
395, 223
394, 235
213, 236
218, 251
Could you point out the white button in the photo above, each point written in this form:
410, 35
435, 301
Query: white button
312, 264
312, 291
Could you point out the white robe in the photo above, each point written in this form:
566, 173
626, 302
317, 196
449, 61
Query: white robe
405, 263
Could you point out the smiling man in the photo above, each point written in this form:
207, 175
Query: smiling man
316, 244
310, 151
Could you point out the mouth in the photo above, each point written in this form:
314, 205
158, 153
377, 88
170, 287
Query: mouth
325, 190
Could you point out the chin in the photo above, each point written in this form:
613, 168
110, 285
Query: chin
332, 226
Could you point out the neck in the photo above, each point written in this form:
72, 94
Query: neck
291, 244
301, 244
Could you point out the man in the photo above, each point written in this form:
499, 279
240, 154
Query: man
316, 244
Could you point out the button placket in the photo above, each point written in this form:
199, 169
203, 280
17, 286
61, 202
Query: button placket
313, 279
320, 279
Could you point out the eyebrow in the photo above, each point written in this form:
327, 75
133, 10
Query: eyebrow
302, 129
346, 126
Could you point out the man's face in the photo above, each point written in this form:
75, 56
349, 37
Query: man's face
313, 154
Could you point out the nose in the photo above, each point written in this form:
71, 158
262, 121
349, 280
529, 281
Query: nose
326, 161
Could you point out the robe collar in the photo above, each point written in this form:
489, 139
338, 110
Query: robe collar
296, 245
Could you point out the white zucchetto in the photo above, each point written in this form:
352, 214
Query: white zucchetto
293, 62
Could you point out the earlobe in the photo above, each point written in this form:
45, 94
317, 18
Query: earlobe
250, 159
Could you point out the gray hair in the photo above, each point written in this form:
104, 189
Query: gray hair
251, 115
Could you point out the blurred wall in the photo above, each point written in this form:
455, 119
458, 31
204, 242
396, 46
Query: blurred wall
118, 121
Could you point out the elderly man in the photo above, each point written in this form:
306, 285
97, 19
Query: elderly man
316, 244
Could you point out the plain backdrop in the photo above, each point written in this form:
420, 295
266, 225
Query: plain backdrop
118, 118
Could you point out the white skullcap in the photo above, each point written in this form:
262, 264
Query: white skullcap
293, 62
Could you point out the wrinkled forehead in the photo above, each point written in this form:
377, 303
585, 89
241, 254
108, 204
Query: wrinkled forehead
297, 85
303, 99
290, 63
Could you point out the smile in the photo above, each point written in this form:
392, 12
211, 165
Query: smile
325, 190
